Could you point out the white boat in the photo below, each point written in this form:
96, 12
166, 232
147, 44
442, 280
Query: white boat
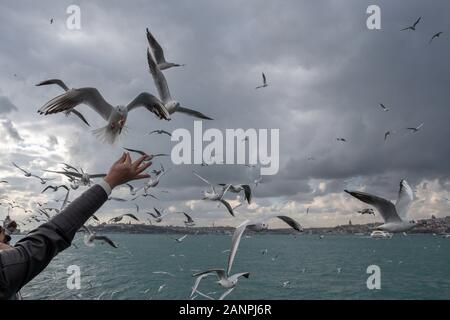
378, 234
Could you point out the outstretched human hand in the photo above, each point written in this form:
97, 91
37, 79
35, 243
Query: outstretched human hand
123, 170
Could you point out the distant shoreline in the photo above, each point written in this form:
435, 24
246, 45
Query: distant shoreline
425, 226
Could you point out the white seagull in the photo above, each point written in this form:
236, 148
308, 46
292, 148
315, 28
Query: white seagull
158, 53
91, 236
213, 195
236, 188
170, 105
395, 216
115, 116
384, 107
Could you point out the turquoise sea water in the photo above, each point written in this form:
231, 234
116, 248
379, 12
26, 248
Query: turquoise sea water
412, 267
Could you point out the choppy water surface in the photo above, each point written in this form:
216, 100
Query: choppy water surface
412, 267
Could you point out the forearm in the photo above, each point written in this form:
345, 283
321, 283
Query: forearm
34, 252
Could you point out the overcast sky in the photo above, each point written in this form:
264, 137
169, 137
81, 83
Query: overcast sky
327, 74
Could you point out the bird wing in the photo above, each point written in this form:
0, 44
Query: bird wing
385, 208
247, 192
264, 78
197, 282
79, 115
157, 50
142, 153
235, 240
220, 273
228, 206
15, 165
291, 222
49, 187
67, 173
188, 217
54, 81
151, 103
417, 21
238, 275
107, 240
131, 216
75, 97
226, 293
182, 238
193, 113
404, 200
201, 178
159, 79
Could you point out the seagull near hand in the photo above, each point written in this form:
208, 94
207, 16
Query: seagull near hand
395, 216
148, 157
84, 178
414, 130
264, 82
158, 53
413, 27
213, 195
55, 188
115, 116
170, 105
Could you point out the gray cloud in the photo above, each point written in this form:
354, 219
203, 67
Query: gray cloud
327, 74
6, 106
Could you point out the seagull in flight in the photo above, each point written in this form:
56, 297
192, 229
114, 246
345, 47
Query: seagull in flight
147, 156
414, 130
170, 105
436, 35
387, 134
161, 132
384, 107
413, 27
181, 239
264, 82
158, 53
236, 188
55, 188
189, 222
29, 174
63, 85
341, 139
119, 218
395, 216
157, 215
116, 117
84, 178
367, 211
213, 195
92, 236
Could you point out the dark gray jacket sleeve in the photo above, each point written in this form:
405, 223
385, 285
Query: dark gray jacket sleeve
33, 253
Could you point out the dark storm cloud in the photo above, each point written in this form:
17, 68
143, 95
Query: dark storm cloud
327, 73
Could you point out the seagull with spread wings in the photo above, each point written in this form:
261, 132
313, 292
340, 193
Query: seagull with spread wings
264, 82
213, 195
158, 53
413, 27
92, 236
395, 216
415, 129
83, 178
115, 116
170, 105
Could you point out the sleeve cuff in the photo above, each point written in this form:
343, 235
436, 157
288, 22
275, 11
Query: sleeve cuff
102, 183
